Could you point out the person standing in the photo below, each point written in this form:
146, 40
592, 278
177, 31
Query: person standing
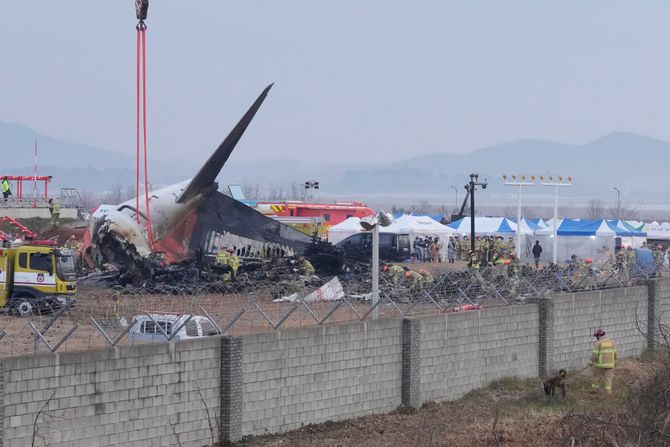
603, 361
436, 249
233, 261
54, 209
537, 252
6, 192
451, 249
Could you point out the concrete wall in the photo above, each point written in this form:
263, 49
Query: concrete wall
316, 374
577, 315
662, 296
464, 351
280, 380
127, 396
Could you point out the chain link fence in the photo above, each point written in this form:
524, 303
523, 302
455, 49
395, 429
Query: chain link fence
111, 316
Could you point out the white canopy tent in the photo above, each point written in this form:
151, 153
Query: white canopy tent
344, 229
485, 226
421, 226
657, 231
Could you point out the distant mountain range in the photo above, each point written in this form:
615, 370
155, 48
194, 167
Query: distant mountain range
79, 165
634, 163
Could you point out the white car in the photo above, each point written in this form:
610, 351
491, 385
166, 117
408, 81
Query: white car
153, 328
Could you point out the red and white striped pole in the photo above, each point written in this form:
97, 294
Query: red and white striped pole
35, 178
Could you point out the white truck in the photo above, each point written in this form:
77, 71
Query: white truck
159, 328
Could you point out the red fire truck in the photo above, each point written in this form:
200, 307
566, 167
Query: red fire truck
310, 218
331, 213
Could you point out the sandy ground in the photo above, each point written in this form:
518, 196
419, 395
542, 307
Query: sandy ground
510, 412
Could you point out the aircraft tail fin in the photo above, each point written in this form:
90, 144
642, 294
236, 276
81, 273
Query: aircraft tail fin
207, 174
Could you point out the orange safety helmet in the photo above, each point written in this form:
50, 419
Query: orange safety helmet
408, 274
588, 260
386, 267
507, 262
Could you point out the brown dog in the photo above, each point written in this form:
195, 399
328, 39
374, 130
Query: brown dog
556, 382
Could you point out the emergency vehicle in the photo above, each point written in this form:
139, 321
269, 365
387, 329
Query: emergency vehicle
310, 218
332, 213
36, 277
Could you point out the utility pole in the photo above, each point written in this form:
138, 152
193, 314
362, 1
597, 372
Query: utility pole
618, 203
471, 187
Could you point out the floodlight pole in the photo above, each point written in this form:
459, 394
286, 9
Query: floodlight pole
554, 254
375, 270
519, 184
556, 184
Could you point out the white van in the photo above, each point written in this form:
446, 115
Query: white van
148, 330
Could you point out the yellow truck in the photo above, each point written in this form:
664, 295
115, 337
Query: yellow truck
36, 277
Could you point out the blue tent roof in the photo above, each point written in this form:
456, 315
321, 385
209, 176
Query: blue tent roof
570, 227
504, 227
578, 227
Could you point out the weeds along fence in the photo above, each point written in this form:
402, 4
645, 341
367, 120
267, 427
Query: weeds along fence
104, 317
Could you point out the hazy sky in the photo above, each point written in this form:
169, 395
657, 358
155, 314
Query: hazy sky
355, 79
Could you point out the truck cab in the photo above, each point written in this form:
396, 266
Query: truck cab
36, 277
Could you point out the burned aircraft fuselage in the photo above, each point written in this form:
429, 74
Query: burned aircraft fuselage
186, 217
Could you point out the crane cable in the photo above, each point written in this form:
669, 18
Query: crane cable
141, 9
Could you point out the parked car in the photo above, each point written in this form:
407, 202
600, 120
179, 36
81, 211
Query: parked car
392, 247
148, 330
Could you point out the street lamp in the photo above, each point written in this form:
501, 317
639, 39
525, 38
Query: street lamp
556, 182
471, 187
618, 203
373, 223
519, 182
456, 200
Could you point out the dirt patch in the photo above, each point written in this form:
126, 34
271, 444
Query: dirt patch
509, 412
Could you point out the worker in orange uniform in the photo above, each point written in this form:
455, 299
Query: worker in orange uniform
603, 361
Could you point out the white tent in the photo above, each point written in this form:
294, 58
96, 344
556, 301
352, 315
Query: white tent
485, 226
344, 229
421, 226
657, 231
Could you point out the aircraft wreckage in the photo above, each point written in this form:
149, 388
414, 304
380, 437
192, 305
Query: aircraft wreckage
189, 220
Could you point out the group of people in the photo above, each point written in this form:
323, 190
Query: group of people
427, 249
227, 257
403, 275
487, 248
